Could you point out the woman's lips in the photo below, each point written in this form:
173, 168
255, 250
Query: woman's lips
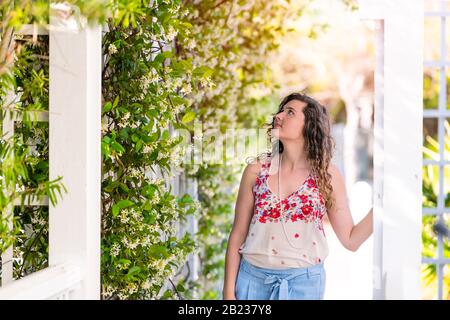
277, 126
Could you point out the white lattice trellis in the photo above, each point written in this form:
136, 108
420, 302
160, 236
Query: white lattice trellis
442, 12
74, 151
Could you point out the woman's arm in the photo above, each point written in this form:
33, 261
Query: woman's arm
242, 218
350, 235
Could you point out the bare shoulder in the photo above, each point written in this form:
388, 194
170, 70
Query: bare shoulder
333, 169
337, 179
253, 168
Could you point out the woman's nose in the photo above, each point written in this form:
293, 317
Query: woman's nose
278, 116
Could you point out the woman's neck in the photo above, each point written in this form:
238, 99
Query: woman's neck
293, 157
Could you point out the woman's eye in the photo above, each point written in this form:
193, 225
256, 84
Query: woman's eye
290, 112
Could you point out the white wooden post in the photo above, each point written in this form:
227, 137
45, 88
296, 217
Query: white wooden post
75, 134
398, 147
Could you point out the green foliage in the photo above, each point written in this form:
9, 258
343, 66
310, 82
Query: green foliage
24, 158
142, 81
165, 66
235, 40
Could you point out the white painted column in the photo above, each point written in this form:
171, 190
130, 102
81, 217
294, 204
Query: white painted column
398, 149
75, 134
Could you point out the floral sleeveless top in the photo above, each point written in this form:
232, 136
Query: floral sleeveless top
296, 239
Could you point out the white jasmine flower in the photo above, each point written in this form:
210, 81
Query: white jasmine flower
112, 49
191, 44
115, 250
186, 88
124, 217
172, 33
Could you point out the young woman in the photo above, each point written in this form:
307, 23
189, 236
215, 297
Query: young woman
277, 246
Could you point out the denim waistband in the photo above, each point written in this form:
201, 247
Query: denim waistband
279, 277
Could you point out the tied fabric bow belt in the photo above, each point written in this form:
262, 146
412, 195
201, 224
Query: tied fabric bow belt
280, 278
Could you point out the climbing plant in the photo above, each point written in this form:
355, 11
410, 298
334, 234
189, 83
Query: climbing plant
167, 66
235, 38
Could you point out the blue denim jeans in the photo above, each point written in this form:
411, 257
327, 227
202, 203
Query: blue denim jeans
256, 283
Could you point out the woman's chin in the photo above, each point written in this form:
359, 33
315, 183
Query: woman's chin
276, 133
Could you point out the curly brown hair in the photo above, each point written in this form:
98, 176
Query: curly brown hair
319, 143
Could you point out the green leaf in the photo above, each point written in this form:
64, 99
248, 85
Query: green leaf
124, 187
177, 100
202, 71
165, 134
124, 261
180, 288
139, 146
188, 117
117, 146
133, 270
107, 107
161, 56
134, 137
111, 186
185, 199
149, 190
121, 205
157, 251
116, 102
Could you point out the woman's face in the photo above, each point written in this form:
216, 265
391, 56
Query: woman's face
289, 121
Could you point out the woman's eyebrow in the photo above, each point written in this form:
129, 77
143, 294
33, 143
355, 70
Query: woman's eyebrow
290, 108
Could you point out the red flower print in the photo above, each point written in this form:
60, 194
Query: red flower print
304, 198
306, 207
274, 251
273, 237
286, 204
307, 210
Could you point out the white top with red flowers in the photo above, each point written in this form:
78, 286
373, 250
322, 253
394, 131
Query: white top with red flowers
297, 241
